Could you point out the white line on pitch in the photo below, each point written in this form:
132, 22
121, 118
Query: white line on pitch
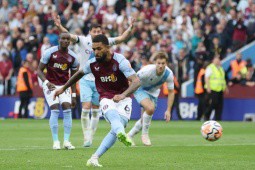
139, 146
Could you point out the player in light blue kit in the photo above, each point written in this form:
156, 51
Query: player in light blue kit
152, 77
88, 92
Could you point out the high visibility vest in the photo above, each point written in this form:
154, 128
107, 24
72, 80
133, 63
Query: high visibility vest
21, 85
217, 79
199, 85
235, 67
165, 88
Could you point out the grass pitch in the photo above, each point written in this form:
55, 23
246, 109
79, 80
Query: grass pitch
27, 144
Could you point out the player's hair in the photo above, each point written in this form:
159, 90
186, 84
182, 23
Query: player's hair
160, 55
94, 26
101, 38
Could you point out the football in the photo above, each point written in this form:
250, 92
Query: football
211, 130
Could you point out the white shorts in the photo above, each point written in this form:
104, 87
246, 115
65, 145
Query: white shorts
64, 97
124, 107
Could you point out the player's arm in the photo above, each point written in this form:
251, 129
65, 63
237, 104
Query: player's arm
77, 76
133, 86
123, 37
41, 75
73, 87
57, 22
170, 101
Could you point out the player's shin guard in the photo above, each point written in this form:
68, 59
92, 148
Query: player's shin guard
54, 124
136, 129
85, 123
94, 121
67, 123
146, 123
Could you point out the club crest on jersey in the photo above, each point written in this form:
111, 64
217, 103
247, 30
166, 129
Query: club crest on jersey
114, 67
96, 68
111, 78
60, 66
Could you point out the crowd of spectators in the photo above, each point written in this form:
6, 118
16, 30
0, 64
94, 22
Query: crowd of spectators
190, 31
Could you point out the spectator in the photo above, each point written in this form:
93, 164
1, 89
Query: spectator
74, 23
4, 11
18, 55
53, 38
250, 76
6, 71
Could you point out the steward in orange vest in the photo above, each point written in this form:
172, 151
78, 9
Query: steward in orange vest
236, 65
200, 91
24, 87
199, 88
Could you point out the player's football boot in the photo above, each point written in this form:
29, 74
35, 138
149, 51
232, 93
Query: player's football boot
56, 145
146, 140
93, 162
67, 145
87, 143
132, 139
122, 137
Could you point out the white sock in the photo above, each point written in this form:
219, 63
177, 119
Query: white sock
136, 129
85, 123
146, 123
94, 121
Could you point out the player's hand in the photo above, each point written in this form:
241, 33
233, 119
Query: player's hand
58, 92
119, 97
208, 90
51, 86
167, 116
74, 102
57, 20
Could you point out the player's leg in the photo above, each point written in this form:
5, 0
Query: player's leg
149, 108
53, 121
65, 101
107, 143
86, 98
95, 112
144, 100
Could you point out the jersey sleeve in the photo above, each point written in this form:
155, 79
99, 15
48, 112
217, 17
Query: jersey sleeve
126, 68
112, 41
46, 56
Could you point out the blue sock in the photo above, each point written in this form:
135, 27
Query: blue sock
117, 123
67, 123
107, 142
115, 120
54, 124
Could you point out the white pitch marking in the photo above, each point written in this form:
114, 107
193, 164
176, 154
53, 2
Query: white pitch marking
139, 146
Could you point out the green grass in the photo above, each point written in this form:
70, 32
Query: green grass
27, 144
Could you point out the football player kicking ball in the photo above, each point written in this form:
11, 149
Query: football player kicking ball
115, 81
88, 92
152, 77
59, 60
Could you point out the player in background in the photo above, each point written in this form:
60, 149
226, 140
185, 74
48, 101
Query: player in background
115, 81
152, 77
59, 60
88, 93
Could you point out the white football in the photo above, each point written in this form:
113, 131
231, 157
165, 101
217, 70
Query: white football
211, 130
